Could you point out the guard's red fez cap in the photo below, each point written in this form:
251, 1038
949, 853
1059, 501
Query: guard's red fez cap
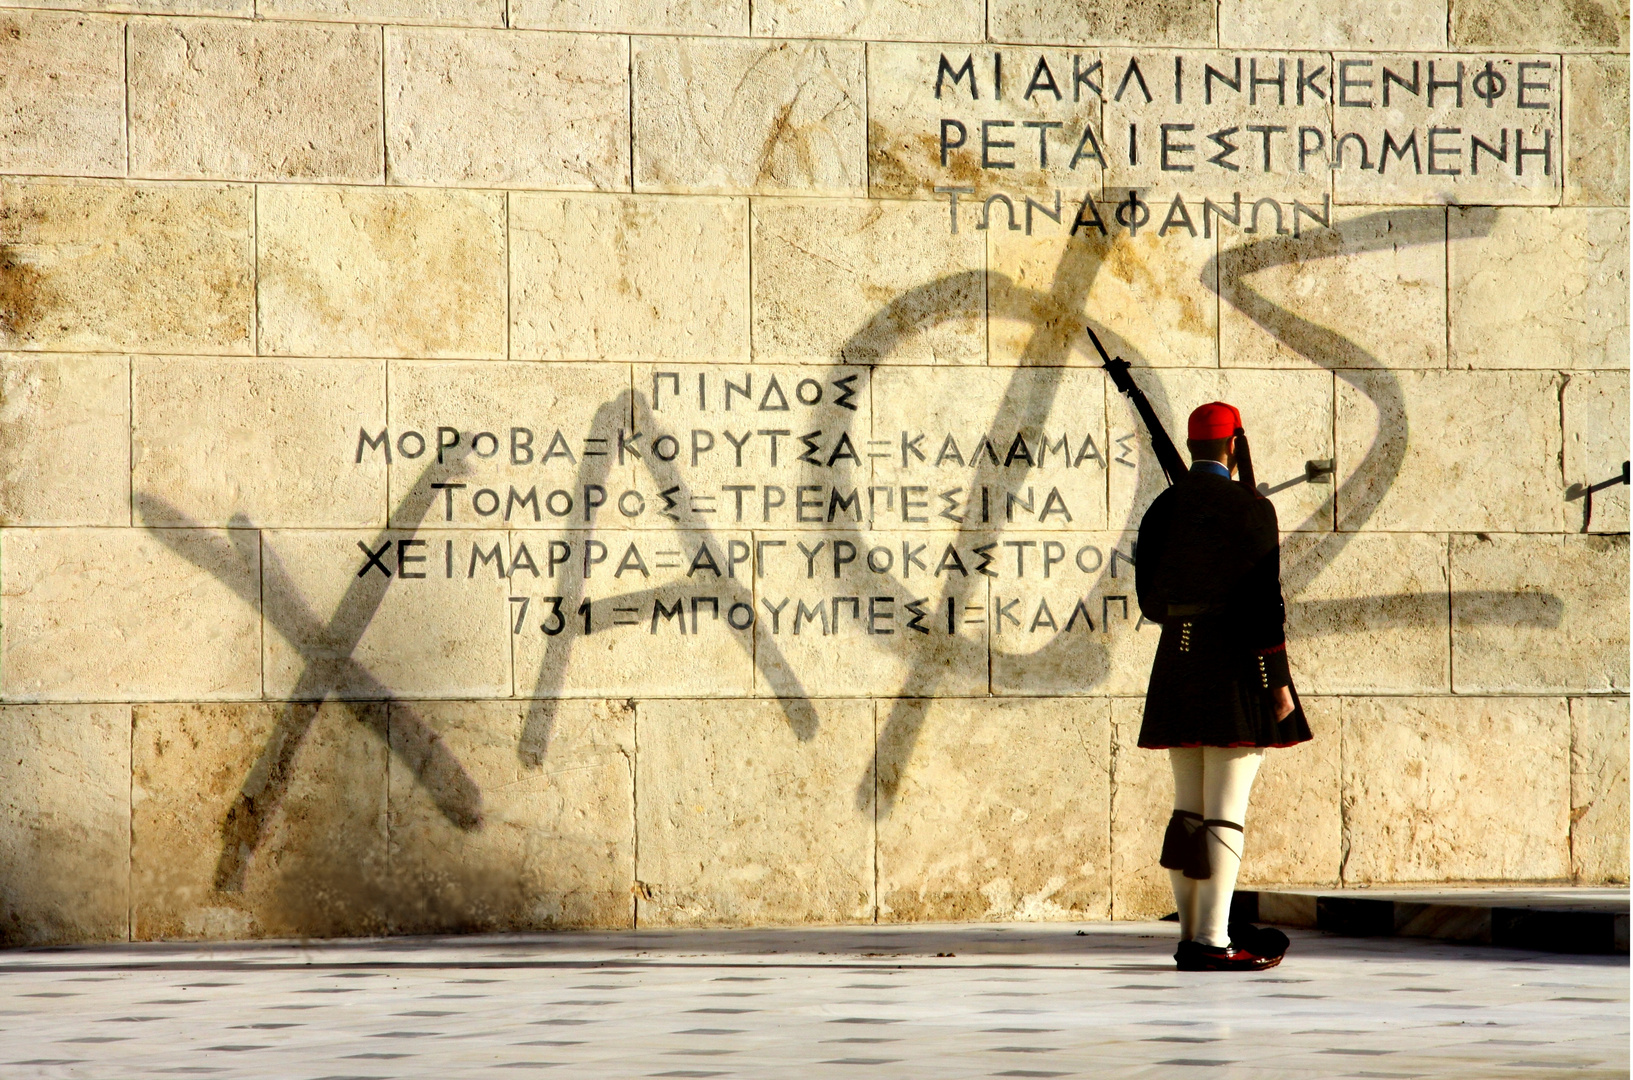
1215, 420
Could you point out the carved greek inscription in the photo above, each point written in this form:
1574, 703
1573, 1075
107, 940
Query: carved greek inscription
1015, 138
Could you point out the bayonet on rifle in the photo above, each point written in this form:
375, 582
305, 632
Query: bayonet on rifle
1173, 466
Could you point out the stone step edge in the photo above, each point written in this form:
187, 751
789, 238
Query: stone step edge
1542, 930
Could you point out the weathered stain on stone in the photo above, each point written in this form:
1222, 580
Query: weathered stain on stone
763, 118
99, 266
322, 870
20, 286
65, 832
370, 272
1134, 22
1562, 24
557, 845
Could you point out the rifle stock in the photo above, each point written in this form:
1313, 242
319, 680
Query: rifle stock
1173, 466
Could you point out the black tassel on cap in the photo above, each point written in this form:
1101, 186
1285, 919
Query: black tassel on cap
1244, 463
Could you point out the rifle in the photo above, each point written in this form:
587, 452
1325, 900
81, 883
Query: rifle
1173, 466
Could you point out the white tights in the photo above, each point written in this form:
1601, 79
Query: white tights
1213, 781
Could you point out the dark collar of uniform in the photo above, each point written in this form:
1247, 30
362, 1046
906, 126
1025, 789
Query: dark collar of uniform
1209, 468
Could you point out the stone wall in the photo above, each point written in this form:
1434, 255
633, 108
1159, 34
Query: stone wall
558, 463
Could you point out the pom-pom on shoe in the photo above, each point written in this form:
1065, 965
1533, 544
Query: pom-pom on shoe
1263, 940
1195, 956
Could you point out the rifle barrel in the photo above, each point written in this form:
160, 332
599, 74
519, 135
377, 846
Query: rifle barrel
1173, 466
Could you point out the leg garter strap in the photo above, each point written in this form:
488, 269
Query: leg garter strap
1185, 844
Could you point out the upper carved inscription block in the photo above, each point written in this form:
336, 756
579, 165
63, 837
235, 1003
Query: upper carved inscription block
1194, 139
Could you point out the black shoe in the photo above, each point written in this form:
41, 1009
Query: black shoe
1195, 956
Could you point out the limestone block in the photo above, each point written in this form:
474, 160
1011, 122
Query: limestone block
1555, 24
741, 117
1142, 798
254, 101
1172, 22
1432, 791
1150, 297
1305, 24
994, 447
595, 278
1288, 419
1293, 828
720, 437
634, 16
61, 94
743, 823
861, 281
889, 613
1572, 312
985, 122
667, 613
1369, 292
395, 12
1596, 122
504, 427
307, 858
1001, 810
1367, 613
913, 20
336, 622
130, 614
1417, 451
500, 108
243, 9
1539, 613
218, 441
1264, 141
64, 824
1065, 620
65, 427
1596, 445
556, 847
1295, 823
89, 267
1432, 130
368, 272
1599, 790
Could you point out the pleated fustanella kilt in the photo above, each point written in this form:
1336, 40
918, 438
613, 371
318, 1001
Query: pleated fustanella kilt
1207, 689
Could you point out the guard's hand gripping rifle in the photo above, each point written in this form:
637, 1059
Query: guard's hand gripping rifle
1173, 466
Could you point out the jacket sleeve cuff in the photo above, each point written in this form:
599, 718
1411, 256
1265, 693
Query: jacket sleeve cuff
1273, 670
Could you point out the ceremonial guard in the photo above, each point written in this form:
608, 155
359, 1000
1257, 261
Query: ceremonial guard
1209, 571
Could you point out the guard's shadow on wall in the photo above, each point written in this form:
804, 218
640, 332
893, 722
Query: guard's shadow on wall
401, 846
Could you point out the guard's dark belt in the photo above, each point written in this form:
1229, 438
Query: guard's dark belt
1191, 611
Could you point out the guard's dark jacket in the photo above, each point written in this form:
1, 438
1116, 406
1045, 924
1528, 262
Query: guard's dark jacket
1209, 570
